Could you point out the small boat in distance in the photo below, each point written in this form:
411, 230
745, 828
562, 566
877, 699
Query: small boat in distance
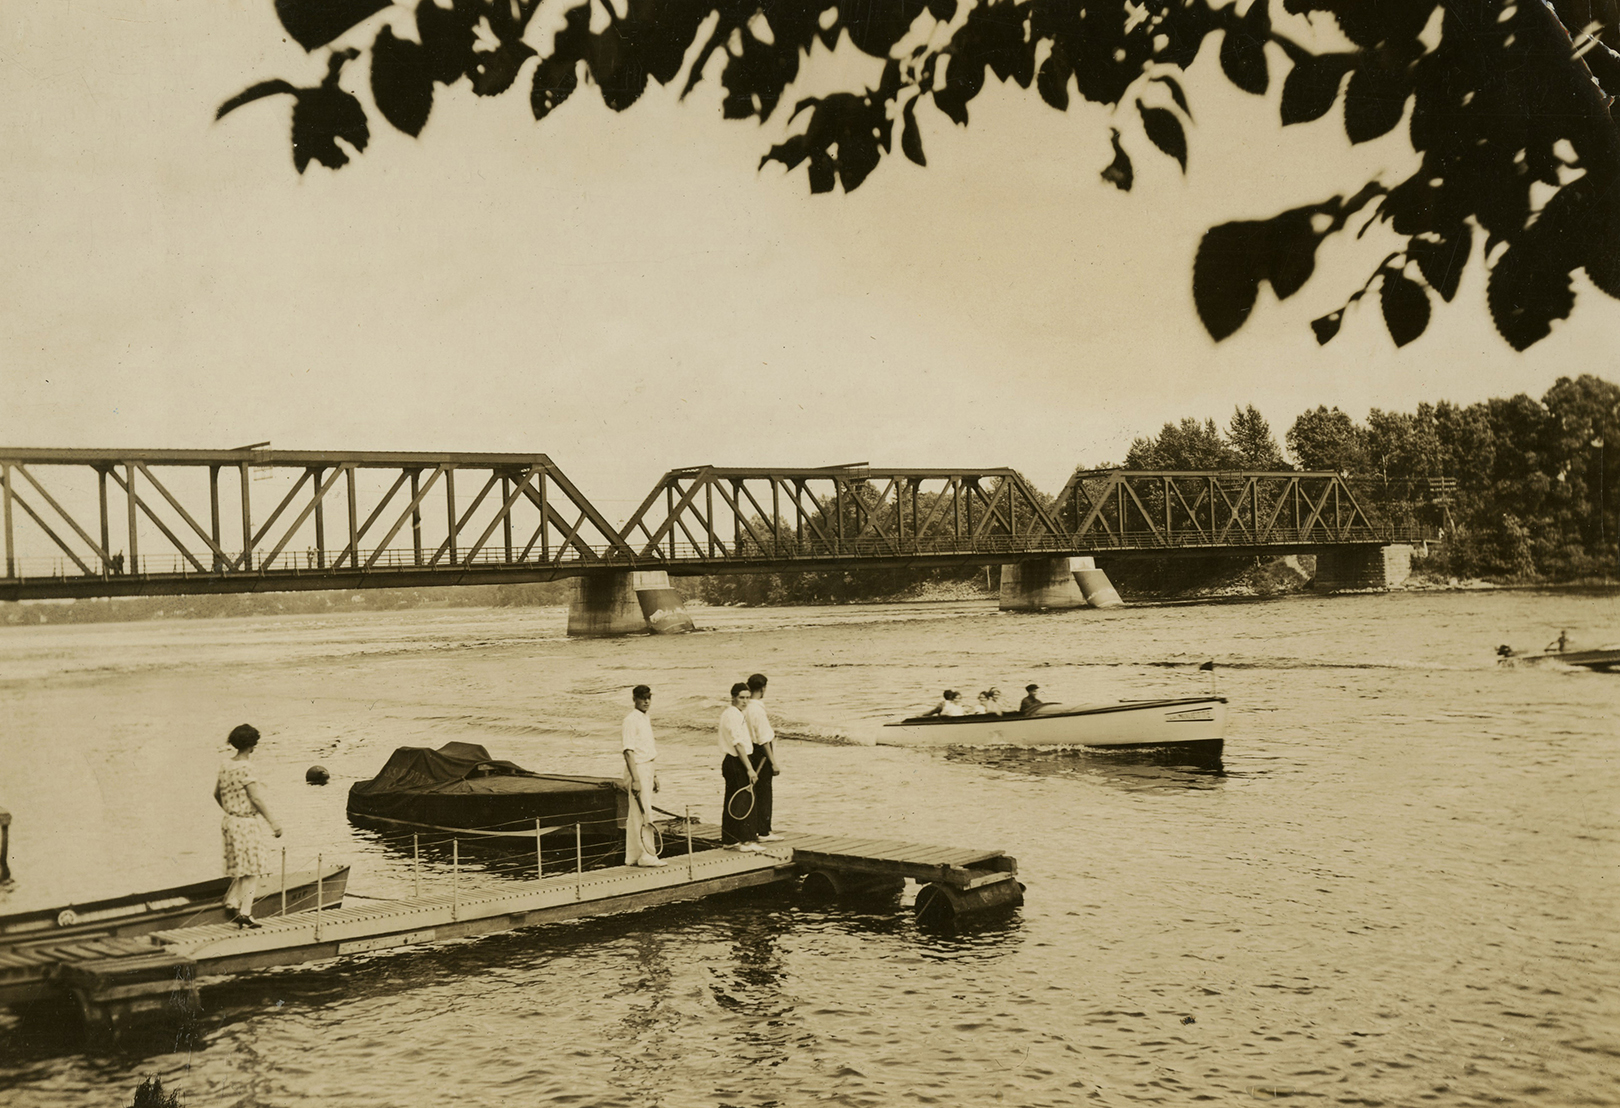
1196, 724
1604, 659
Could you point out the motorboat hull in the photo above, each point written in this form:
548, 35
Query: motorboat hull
1183, 722
460, 790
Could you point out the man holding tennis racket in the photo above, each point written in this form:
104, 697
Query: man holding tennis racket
737, 746
641, 779
765, 765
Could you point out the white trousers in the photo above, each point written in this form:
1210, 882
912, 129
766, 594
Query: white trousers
633, 819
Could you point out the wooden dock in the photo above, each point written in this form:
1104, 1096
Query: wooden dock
119, 981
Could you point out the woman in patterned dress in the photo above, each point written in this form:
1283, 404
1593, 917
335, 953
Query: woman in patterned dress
238, 792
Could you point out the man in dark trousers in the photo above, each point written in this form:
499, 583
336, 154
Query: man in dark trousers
765, 764
737, 768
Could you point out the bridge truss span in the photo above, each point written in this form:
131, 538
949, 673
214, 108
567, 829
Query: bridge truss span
709, 519
1234, 511
152, 522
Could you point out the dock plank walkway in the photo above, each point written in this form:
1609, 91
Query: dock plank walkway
116, 978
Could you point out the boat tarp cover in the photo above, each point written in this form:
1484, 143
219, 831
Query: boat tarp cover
460, 785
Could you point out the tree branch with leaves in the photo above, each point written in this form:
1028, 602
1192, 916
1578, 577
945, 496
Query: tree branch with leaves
1509, 104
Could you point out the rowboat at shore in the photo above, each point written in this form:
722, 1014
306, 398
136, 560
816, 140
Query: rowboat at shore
34, 943
1195, 724
192, 905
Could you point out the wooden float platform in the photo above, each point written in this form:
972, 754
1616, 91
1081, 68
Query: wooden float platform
957, 867
115, 980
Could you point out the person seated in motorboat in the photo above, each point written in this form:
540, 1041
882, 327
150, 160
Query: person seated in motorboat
1558, 645
990, 703
950, 705
1030, 702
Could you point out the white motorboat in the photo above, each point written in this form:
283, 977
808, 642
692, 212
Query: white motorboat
1193, 723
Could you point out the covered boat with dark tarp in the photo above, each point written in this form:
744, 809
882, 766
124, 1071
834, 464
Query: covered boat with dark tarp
459, 787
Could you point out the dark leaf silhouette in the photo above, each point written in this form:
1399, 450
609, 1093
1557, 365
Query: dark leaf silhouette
401, 81
492, 72
1176, 92
1327, 326
321, 116
1053, 80
876, 25
1227, 271
1373, 103
1312, 86
844, 141
1243, 51
314, 23
1234, 258
910, 138
1529, 285
554, 81
1406, 307
1163, 130
252, 93
1441, 258
1119, 172
447, 37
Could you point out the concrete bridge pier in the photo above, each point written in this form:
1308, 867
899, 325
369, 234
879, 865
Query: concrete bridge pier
1094, 583
661, 604
605, 604
625, 602
1045, 583
1362, 567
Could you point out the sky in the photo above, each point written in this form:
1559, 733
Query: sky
629, 293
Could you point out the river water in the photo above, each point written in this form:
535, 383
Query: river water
1398, 888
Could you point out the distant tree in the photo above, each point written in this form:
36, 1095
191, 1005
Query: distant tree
1505, 100
1185, 445
1250, 442
1328, 439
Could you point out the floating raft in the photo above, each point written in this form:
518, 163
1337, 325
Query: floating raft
118, 981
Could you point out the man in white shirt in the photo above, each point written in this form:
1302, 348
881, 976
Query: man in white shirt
640, 777
764, 760
737, 768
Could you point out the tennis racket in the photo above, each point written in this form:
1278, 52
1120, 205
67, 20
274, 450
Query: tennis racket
652, 841
740, 805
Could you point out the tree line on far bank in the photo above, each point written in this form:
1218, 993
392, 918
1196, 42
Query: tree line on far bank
1518, 488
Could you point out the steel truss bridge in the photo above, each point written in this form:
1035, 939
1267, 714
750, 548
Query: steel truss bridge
92, 523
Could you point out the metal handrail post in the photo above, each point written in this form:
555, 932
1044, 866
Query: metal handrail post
284, 880
455, 875
539, 860
318, 898
691, 863
416, 863
579, 863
